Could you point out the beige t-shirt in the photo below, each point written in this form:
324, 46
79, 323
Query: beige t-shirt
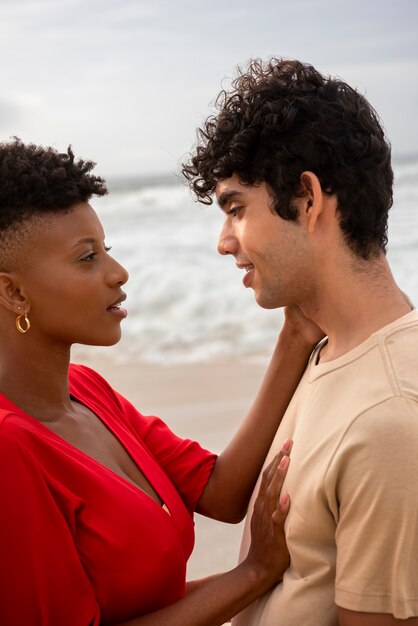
352, 530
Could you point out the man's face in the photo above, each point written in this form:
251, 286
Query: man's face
273, 252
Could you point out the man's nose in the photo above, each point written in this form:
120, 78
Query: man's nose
227, 242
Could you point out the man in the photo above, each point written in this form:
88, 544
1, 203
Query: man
301, 167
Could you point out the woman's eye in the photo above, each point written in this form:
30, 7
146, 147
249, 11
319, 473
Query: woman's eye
92, 255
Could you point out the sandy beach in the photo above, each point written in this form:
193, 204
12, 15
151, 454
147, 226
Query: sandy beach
205, 402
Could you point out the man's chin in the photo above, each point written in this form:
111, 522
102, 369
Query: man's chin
268, 302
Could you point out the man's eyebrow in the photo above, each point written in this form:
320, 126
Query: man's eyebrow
227, 196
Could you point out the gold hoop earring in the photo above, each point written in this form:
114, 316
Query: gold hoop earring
19, 326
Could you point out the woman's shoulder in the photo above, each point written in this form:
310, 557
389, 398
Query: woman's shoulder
90, 388
85, 380
18, 432
11, 418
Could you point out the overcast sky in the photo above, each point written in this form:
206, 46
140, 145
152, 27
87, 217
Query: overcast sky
126, 82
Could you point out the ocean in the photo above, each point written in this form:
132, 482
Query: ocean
185, 302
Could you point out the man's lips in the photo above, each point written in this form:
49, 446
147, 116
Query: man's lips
244, 266
248, 267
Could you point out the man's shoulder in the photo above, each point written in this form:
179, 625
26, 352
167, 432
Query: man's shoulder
399, 344
405, 326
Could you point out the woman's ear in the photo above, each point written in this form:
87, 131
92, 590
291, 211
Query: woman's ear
311, 201
11, 297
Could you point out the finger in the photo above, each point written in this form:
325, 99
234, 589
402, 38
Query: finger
276, 483
278, 477
271, 469
268, 473
282, 509
284, 451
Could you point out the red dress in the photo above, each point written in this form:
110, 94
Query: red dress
80, 545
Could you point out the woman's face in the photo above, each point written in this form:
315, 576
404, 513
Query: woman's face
72, 285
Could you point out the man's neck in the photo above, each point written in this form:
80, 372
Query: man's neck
352, 305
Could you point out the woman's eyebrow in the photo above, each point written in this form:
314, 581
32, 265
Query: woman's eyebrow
86, 240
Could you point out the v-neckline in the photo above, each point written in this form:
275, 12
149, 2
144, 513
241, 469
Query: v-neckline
125, 481
113, 434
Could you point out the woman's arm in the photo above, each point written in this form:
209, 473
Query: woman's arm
218, 598
232, 481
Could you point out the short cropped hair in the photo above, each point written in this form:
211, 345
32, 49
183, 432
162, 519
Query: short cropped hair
281, 118
35, 180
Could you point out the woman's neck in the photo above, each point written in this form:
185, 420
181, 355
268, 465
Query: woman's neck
35, 380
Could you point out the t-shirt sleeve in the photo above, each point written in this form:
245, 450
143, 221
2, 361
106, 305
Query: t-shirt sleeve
374, 479
187, 464
42, 579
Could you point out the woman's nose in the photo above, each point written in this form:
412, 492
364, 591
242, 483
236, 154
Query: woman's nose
119, 273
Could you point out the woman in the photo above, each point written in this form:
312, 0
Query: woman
97, 500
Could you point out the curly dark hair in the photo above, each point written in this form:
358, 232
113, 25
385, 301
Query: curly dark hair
283, 117
35, 180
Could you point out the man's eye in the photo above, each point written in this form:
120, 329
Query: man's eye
234, 211
89, 257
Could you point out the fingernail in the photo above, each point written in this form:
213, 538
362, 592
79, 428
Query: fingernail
287, 444
284, 498
283, 463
